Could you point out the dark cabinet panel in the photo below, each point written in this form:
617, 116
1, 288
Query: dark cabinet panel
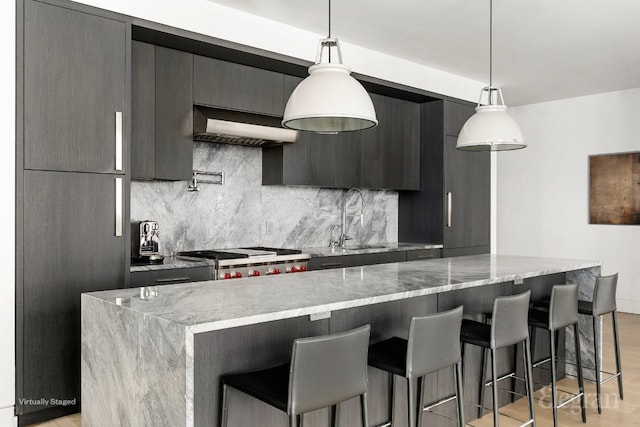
170, 276
386, 157
143, 110
355, 260
174, 114
162, 108
424, 216
75, 67
455, 116
315, 159
70, 247
237, 87
391, 151
419, 254
467, 196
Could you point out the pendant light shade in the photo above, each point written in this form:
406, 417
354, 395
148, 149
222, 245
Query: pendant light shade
491, 128
330, 100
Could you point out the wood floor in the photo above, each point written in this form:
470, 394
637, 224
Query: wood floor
615, 412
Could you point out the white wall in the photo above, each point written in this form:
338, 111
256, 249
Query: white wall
7, 213
206, 17
543, 190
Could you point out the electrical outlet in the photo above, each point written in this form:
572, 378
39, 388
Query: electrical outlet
269, 228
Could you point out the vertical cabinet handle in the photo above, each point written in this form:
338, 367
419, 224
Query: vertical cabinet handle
118, 209
119, 131
449, 209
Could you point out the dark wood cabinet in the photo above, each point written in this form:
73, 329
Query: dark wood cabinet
170, 276
162, 111
237, 87
315, 159
425, 216
391, 151
75, 85
386, 157
72, 189
354, 260
70, 247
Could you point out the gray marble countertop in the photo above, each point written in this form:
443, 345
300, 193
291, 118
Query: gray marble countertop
214, 305
354, 249
171, 262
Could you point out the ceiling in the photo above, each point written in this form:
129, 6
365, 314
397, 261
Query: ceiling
542, 49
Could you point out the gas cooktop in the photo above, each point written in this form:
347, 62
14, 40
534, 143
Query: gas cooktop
234, 253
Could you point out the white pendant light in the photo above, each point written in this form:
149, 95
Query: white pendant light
491, 128
330, 100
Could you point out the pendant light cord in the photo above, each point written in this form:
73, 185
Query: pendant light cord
329, 29
490, 43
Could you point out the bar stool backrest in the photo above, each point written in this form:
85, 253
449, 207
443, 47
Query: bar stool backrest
604, 294
328, 369
563, 308
509, 323
434, 342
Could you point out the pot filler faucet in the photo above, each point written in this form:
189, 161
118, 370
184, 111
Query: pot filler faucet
342, 240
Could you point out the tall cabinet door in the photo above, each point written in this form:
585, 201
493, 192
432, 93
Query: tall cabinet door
70, 246
74, 90
467, 203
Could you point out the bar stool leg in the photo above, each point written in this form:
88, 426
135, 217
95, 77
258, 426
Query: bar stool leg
459, 396
335, 409
554, 392
363, 410
482, 382
411, 402
293, 420
597, 362
616, 344
528, 372
420, 410
576, 338
225, 406
392, 386
494, 381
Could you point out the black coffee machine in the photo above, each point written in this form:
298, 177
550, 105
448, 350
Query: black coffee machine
145, 248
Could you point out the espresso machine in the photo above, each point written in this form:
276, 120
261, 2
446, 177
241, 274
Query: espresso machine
145, 247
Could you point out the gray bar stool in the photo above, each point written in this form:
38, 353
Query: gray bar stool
509, 326
433, 344
562, 312
323, 372
604, 302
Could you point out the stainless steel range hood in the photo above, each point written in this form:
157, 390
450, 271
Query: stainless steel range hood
230, 127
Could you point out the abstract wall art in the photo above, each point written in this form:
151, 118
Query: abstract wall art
614, 188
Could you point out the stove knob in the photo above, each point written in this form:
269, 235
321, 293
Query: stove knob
303, 268
238, 275
276, 271
292, 269
254, 273
227, 276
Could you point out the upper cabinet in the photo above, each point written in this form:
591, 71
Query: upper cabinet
75, 90
453, 204
385, 157
237, 87
162, 111
391, 151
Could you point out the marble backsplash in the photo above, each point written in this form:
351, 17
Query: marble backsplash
243, 212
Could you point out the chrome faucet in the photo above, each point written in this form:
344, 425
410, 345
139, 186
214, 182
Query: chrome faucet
343, 235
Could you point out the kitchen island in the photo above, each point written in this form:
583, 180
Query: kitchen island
155, 358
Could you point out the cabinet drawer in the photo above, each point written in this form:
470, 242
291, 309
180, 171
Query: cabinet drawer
170, 276
355, 260
424, 254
